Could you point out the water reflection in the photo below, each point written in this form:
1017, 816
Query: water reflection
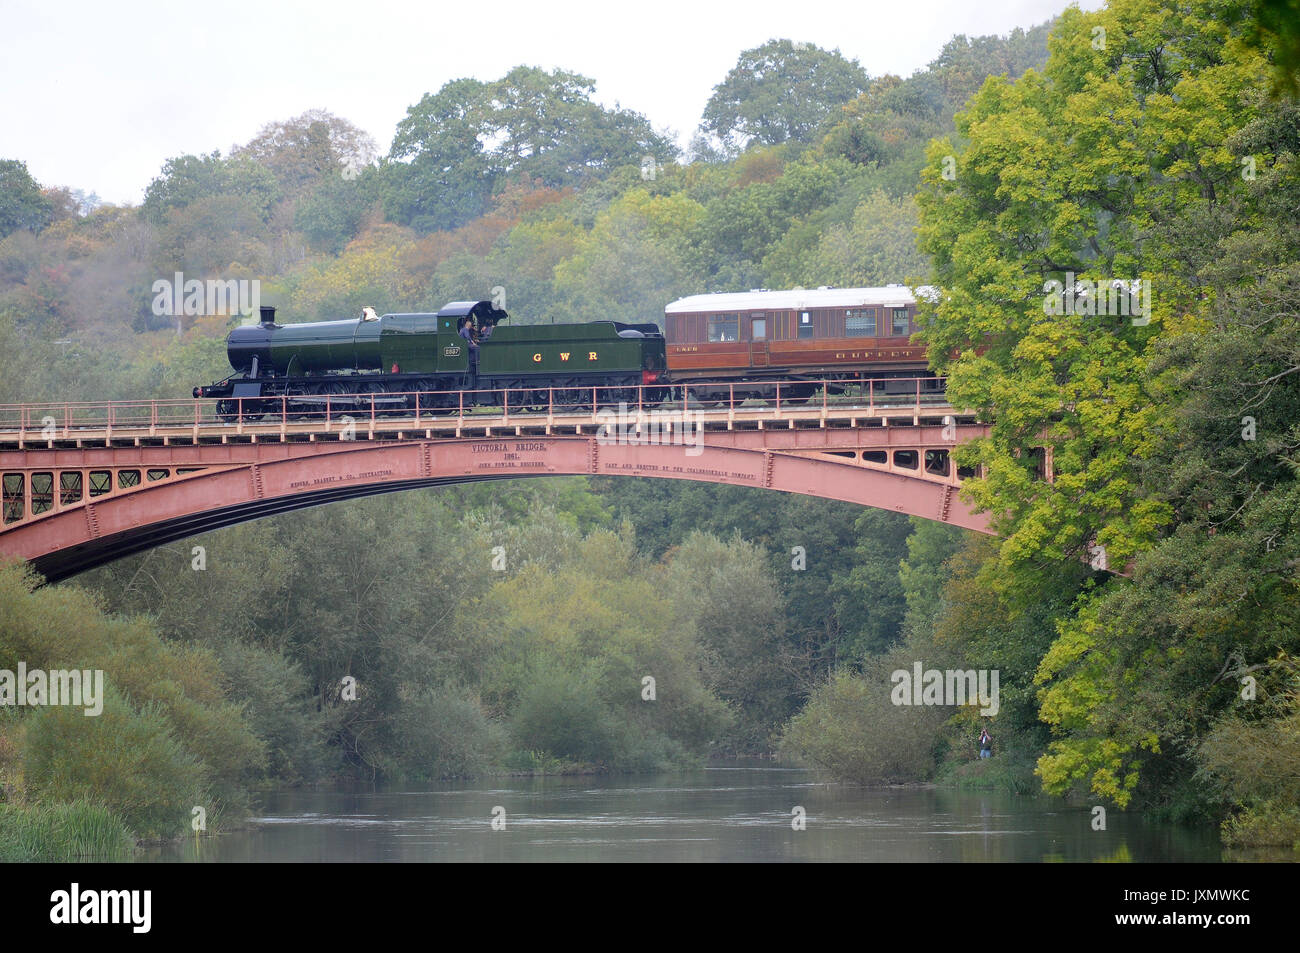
720, 813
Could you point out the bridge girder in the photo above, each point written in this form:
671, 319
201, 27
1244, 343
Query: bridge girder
155, 494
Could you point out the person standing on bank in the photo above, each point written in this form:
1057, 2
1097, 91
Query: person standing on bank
986, 744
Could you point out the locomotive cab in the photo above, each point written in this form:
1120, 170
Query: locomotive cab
481, 313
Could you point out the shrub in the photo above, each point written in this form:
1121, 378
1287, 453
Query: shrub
1265, 825
560, 713
851, 730
129, 761
444, 733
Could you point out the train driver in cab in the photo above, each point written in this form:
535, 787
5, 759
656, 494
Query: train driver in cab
471, 339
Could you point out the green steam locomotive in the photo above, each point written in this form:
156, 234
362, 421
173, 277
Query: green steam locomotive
461, 356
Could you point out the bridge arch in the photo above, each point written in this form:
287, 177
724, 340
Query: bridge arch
199, 487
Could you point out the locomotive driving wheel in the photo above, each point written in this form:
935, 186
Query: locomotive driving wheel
626, 396
423, 398
376, 392
572, 399
333, 409
300, 413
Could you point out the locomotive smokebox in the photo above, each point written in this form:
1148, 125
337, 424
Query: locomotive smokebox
250, 344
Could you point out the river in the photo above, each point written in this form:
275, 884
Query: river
724, 812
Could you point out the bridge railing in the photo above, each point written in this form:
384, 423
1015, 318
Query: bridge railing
60, 420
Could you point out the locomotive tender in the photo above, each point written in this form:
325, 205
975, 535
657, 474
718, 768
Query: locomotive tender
716, 344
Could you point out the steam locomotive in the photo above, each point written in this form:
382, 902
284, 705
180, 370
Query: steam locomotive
384, 361
719, 345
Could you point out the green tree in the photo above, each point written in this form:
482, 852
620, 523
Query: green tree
189, 178
331, 214
1277, 28
877, 248
725, 594
457, 148
780, 91
128, 760
21, 203
438, 174
868, 594
633, 260
1146, 425
1022, 207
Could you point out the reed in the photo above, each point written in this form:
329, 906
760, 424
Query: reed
80, 830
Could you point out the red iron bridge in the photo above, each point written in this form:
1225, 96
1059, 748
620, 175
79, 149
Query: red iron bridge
87, 483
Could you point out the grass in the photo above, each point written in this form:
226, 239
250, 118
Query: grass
1002, 772
541, 763
79, 830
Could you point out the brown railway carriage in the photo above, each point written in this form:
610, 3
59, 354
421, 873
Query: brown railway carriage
826, 333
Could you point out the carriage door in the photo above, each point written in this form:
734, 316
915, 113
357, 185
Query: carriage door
758, 356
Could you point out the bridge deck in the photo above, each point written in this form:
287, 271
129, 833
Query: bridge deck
428, 427
167, 423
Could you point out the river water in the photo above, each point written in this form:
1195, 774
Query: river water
725, 812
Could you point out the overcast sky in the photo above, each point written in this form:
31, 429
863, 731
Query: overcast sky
97, 95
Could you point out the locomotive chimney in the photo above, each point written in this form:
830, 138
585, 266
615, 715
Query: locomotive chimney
268, 316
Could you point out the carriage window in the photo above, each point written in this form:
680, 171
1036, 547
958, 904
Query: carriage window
724, 327
860, 323
900, 322
805, 325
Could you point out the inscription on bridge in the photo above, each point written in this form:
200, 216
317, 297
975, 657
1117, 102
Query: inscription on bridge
341, 478
512, 454
496, 455
683, 470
